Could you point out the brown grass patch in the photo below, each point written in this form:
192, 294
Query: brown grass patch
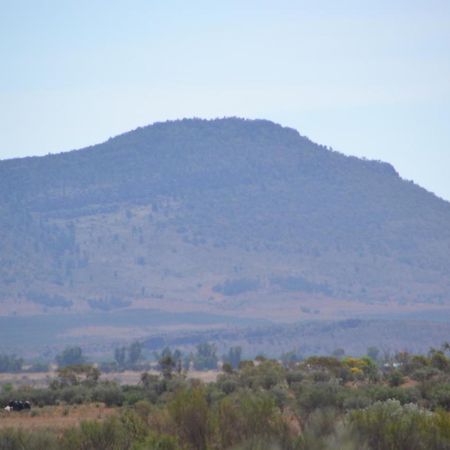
55, 418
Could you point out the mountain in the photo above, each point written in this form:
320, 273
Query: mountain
220, 215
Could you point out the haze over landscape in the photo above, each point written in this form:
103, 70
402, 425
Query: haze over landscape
225, 225
243, 218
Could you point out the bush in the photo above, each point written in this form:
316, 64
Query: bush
190, 414
295, 376
113, 433
143, 408
440, 396
158, 442
322, 422
355, 400
12, 439
383, 393
389, 425
108, 393
75, 395
321, 395
396, 378
248, 418
425, 373
267, 374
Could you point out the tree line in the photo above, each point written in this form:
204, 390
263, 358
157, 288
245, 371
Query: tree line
321, 402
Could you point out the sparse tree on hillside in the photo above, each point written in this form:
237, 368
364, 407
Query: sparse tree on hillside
206, 357
233, 357
167, 364
120, 355
134, 353
71, 356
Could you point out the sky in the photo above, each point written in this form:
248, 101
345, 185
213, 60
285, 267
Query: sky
370, 79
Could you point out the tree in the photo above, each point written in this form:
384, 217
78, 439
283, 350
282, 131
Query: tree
134, 352
147, 380
71, 356
289, 359
85, 374
373, 353
205, 357
178, 358
120, 356
439, 360
10, 363
233, 357
169, 361
338, 353
445, 347
190, 414
167, 364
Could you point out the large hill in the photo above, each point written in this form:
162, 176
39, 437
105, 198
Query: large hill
221, 215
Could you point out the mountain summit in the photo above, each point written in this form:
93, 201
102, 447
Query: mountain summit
219, 214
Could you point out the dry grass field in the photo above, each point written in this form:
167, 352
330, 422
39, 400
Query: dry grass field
131, 377
54, 418
60, 417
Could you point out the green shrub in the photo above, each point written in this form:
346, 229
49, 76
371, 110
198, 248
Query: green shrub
440, 396
75, 395
227, 384
396, 378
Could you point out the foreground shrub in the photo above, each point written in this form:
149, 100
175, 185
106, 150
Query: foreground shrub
114, 433
391, 426
190, 414
248, 417
319, 395
14, 439
325, 430
158, 442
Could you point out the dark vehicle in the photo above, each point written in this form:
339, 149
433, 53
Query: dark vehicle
18, 405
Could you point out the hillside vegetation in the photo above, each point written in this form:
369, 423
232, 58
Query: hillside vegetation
216, 213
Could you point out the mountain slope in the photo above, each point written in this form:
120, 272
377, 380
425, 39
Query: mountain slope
227, 213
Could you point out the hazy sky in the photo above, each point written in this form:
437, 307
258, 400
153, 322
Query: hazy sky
368, 78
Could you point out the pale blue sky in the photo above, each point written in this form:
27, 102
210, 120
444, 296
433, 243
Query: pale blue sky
366, 78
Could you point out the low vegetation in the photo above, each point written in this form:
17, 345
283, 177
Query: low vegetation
322, 402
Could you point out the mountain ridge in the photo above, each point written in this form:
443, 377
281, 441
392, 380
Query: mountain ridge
187, 210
